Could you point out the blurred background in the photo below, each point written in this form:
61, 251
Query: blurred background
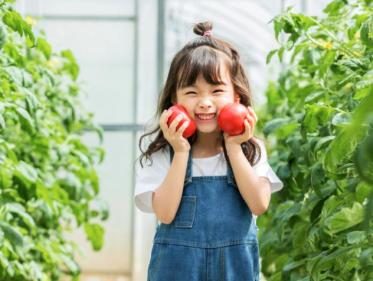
124, 48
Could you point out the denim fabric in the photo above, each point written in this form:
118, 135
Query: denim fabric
212, 238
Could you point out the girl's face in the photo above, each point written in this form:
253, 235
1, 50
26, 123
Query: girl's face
203, 101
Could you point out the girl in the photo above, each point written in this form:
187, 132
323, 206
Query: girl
205, 190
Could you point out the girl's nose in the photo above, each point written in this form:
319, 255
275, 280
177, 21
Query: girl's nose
205, 105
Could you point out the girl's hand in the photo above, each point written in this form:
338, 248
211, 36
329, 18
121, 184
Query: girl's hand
246, 135
173, 136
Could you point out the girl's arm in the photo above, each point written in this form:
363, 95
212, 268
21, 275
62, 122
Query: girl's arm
256, 191
167, 196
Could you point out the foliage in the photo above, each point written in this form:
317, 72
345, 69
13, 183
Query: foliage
319, 118
48, 182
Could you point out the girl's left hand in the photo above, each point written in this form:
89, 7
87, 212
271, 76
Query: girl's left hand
247, 134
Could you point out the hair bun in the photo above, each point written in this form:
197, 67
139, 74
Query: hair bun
201, 27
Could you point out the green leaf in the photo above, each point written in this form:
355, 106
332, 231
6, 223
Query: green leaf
316, 115
363, 190
11, 234
355, 237
26, 121
327, 61
3, 37
341, 147
101, 209
71, 66
44, 47
270, 55
15, 74
71, 264
20, 211
368, 212
2, 120
366, 32
277, 27
322, 141
313, 96
334, 7
95, 234
280, 53
15, 22
366, 257
26, 172
6, 176
274, 124
326, 260
341, 118
345, 218
293, 265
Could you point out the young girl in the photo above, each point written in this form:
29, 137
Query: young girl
206, 190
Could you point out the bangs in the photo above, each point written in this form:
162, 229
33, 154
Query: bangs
203, 60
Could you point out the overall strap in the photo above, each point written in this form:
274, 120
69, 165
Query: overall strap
230, 175
188, 175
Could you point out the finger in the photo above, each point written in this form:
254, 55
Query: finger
251, 110
175, 122
256, 116
248, 128
251, 131
163, 119
165, 115
251, 120
252, 115
182, 128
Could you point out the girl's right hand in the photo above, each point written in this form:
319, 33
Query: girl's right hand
173, 136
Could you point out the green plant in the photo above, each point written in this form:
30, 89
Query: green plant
319, 118
48, 182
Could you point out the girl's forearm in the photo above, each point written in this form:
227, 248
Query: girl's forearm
167, 197
255, 191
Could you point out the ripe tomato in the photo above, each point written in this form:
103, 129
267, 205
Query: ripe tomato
231, 118
179, 109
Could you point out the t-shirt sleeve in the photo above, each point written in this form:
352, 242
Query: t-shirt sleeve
263, 169
149, 178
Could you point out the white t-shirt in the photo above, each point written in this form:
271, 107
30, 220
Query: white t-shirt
151, 177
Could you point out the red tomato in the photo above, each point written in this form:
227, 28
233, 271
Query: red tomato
231, 118
179, 109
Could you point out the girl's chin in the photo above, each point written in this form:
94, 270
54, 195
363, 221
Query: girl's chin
207, 128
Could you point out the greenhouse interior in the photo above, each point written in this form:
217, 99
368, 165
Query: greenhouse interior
81, 82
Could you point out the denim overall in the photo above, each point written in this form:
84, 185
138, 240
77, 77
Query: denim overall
212, 238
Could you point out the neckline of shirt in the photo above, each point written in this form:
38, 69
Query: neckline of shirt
210, 157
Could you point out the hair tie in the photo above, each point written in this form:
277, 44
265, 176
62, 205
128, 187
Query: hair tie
207, 33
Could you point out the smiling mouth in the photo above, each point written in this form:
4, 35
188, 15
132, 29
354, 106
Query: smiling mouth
205, 117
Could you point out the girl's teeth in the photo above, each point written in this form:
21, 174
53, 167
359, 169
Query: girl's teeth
206, 117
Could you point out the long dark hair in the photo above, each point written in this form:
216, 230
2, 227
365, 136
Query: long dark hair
201, 55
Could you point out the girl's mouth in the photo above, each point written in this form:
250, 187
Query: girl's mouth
205, 117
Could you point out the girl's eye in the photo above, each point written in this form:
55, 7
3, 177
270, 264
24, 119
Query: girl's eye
218, 91
190, 93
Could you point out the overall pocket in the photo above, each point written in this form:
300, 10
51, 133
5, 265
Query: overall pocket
185, 214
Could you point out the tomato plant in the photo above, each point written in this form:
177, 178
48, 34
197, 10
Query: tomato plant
48, 182
319, 117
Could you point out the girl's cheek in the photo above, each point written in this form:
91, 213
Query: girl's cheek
222, 102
